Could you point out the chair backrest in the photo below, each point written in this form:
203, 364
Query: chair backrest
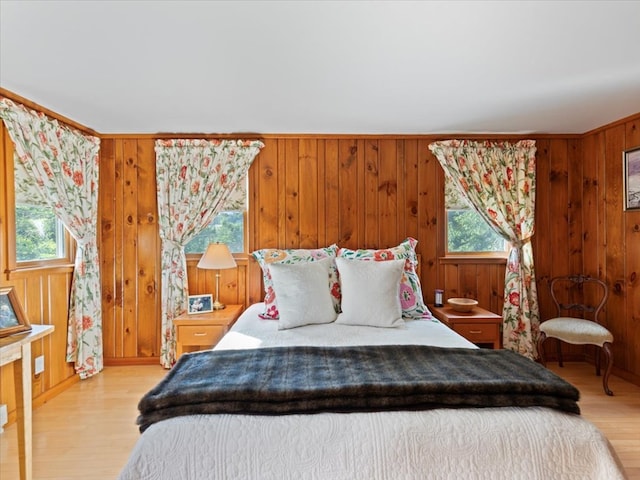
579, 294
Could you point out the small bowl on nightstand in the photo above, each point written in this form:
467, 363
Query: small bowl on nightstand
463, 305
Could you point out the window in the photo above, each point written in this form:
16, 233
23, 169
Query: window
467, 231
228, 226
41, 237
39, 234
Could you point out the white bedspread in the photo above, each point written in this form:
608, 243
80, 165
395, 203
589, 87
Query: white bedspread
492, 443
252, 332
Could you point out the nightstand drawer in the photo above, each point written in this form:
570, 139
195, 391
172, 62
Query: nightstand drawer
200, 331
199, 335
478, 332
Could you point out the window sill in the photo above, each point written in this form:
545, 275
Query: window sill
475, 259
21, 272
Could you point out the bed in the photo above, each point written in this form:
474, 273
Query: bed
508, 443
342, 373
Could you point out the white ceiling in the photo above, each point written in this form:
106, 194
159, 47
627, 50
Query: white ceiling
325, 66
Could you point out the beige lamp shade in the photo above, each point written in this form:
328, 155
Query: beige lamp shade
217, 257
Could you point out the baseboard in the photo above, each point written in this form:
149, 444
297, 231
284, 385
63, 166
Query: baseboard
125, 361
54, 391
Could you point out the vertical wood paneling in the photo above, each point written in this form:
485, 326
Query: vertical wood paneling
541, 238
451, 282
615, 241
409, 168
130, 248
292, 188
370, 182
559, 208
429, 241
388, 193
575, 171
107, 225
282, 199
265, 181
56, 286
497, 283
632, 267
348, 193
468, 280
483, 287
118, 253
331, 189
148, 263
590, 206
308, 192
321, 197
401, 190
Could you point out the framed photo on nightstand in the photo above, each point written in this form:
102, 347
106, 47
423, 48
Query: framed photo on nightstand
200, 303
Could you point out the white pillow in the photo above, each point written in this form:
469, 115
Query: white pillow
370, 292
303, 294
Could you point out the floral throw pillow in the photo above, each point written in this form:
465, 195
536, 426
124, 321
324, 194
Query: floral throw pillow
411, 299
269, 256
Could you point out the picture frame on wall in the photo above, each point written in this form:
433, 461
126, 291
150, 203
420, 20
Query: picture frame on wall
12, 317
631, 168
200, 303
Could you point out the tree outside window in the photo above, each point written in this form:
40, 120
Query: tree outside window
227, 227
39, 234
467, 231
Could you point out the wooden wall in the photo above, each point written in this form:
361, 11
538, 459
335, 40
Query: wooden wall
305, 192
611, 236
356, 191
130, 250
360, 192
373, 191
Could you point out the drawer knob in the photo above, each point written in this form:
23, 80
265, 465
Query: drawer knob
475, 331
200, 334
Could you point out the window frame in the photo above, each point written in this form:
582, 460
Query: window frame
445, 256
476, 254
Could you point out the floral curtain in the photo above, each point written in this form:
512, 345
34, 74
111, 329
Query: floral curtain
59, 166
195, 179
498, 179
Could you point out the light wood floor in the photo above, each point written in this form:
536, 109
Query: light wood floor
88, 431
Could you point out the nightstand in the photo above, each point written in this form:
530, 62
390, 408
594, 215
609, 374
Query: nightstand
198, 331
479, 326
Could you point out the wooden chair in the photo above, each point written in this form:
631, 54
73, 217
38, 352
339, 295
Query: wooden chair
586, 296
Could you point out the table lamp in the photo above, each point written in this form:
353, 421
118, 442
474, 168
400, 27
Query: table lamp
217, 257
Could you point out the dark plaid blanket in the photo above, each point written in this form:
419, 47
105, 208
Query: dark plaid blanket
289, 380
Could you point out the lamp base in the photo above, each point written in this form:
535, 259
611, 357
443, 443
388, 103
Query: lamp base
218, 306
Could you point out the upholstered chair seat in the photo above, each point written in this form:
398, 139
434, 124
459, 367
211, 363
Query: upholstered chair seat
576, 331
584, 297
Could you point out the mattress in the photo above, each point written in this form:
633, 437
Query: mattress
496, 443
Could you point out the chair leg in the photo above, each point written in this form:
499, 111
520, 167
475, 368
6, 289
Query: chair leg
609, 357
598, 357
541, 338
559, 349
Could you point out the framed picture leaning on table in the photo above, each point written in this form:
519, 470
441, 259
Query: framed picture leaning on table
12, 317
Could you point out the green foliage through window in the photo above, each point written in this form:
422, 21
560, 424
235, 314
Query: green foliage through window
39, 234
467, 232
227, 227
